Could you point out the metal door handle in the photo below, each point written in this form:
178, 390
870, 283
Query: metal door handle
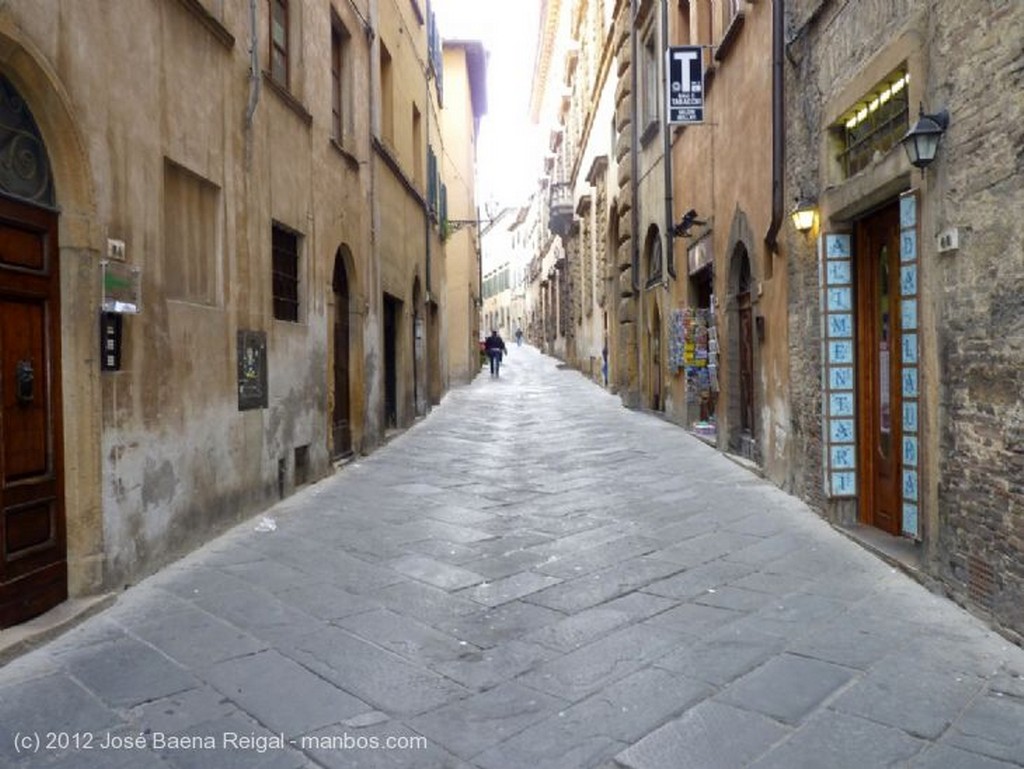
25, 380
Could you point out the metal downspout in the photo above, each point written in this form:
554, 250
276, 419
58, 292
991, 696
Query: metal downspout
778, 125
254, 81
669, 256
426, 208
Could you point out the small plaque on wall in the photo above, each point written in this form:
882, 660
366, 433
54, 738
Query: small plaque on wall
122, 287
252, 370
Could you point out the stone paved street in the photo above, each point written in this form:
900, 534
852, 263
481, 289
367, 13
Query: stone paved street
533, 577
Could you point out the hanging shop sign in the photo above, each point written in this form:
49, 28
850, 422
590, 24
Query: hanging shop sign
685, 82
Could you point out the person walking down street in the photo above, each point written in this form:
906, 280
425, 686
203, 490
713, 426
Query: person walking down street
519, 337
495, 347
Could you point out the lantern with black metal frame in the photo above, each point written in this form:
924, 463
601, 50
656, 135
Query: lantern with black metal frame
921, 142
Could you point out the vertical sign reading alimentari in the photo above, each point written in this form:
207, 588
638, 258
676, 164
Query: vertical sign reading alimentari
685, 67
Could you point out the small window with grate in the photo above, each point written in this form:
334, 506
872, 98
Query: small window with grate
285, 246
875, 123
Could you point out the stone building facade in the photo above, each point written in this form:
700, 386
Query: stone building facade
727, 333
573, 98
619, 182
199, 260
871, 365
918, 334
466, 101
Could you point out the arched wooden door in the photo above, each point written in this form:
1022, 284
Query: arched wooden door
33, 552
33, 558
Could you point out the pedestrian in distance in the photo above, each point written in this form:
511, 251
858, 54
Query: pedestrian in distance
519, 337
495, 347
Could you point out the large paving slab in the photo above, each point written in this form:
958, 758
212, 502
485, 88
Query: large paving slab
532, 577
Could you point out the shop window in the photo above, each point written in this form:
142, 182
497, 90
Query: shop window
876, 123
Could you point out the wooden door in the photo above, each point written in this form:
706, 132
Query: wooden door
33, 560
655, 368
342, 418
391, 313
879, 422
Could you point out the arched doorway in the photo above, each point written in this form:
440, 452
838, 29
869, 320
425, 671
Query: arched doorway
33, 555
341, 420
743, 415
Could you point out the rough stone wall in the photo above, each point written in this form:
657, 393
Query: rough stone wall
572, 306
974, 296
829, 43
601, 243
980, 301
626, 378
587, 264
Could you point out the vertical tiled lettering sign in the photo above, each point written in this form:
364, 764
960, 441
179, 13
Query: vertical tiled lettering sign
910, 362
838, 403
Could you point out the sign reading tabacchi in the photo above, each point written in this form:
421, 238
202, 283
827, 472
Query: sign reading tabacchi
685, 67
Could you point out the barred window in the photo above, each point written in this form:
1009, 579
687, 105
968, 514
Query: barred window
875, 123
285, 268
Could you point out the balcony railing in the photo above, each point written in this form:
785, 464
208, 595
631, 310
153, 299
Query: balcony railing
560, 218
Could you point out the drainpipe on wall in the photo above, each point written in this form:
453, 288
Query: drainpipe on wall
669, 257
426, 208
254, 81
778, 125
479, 263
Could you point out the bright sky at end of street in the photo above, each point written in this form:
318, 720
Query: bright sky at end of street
508, 151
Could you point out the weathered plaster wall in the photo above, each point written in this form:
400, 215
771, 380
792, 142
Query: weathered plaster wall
157, 455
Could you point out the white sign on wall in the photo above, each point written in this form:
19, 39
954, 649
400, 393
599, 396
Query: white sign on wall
685, 67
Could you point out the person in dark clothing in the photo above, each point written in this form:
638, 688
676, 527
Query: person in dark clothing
495, 347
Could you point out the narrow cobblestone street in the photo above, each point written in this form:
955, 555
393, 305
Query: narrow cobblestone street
533, 577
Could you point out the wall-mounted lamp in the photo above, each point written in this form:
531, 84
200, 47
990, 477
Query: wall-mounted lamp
682, 230
803, 214
922, 141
